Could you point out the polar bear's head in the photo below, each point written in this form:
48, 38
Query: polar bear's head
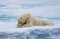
23, 18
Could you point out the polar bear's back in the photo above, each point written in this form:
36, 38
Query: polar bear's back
37, 21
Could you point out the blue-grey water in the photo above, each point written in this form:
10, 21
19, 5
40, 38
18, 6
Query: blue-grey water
10, 10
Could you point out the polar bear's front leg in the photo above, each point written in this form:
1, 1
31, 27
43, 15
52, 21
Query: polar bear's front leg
28, 25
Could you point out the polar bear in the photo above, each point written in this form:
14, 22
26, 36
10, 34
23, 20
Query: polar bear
27, 20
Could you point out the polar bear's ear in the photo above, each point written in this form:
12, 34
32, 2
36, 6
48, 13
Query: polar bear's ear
28, 14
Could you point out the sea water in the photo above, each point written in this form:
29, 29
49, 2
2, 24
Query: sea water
10, 10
